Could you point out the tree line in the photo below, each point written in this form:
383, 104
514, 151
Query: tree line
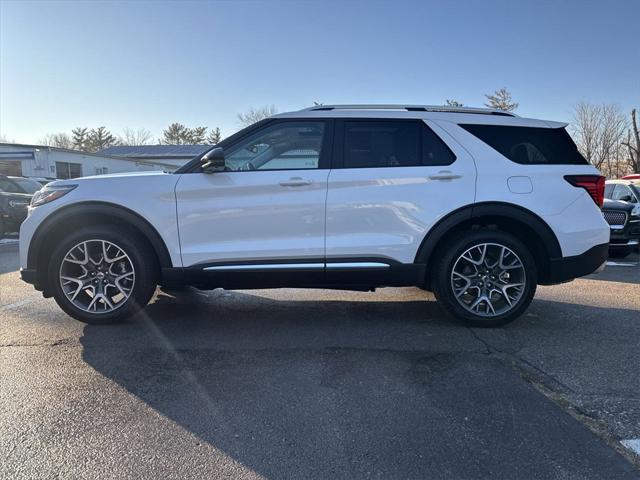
605, 135
96, 139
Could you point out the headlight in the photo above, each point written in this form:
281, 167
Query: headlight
636, 211
49, 194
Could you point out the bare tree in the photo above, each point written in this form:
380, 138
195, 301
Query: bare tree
254, 115
59, 140
141, 136
501, 100
599, 132
453, 103
633, 144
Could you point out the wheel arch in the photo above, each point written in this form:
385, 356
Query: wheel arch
83, 214
518, 221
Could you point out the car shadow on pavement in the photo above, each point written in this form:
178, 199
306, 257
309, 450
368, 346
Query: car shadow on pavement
343, 389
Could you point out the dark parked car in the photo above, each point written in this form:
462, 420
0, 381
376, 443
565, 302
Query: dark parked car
15, 196
625, 227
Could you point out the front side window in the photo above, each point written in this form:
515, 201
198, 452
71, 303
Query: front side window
284, 146
529, 145
622, 192
393, 143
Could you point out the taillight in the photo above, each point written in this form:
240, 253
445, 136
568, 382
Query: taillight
593, 184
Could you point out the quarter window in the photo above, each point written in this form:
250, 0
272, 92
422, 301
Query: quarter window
372, 144
284, 146
529, 145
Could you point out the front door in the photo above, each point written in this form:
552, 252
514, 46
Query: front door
267, 209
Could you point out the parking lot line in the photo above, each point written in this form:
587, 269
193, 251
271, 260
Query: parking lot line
632, 444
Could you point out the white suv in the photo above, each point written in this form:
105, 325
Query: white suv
478, 206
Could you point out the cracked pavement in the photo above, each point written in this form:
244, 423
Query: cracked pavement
321, 384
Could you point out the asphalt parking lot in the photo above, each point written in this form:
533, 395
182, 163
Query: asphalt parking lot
322, 384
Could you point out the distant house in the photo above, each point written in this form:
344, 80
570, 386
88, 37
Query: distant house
174, 155
52, 162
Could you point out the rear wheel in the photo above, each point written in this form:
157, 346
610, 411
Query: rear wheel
485, 278
102, 274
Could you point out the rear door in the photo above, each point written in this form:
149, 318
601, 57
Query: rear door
392, 180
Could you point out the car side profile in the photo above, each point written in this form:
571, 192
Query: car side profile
479, 206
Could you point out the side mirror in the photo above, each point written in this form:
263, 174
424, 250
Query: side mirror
213, 161
626, 198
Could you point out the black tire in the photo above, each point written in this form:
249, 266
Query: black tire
446, 258
144, 263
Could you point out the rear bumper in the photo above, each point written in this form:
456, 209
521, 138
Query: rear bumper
568, 268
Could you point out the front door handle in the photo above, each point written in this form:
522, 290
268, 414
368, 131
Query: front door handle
296, 182
444, 175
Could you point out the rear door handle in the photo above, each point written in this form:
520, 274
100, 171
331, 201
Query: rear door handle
444, 175
296, 182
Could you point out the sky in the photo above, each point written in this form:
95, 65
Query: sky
145, 64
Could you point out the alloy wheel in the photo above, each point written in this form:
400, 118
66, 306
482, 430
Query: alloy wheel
488, 279
97, 276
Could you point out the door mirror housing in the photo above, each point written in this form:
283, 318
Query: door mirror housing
626, 198
213, 161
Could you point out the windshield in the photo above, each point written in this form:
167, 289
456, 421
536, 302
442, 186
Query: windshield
27, 185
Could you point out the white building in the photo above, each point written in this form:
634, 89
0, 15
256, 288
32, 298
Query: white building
52, 162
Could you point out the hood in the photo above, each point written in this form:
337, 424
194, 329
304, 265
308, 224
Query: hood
108, 176
617, 205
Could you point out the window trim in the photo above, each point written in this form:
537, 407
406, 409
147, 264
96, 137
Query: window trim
340, 145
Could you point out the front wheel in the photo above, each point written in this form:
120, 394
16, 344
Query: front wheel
102, 274
485, 278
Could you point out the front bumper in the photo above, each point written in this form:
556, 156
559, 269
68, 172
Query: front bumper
568, 268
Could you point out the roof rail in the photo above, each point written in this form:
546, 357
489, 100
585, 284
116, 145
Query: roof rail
414, 108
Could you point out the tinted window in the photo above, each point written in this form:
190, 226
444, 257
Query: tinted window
434, 150
371, 144
284, 146
608, 190
530, 145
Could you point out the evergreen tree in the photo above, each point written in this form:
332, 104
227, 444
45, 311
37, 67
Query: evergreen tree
214, 136
197, 135
80, 137
501, 100
176, 134
99, 139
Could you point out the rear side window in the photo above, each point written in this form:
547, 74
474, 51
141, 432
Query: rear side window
372, 144
530, 145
